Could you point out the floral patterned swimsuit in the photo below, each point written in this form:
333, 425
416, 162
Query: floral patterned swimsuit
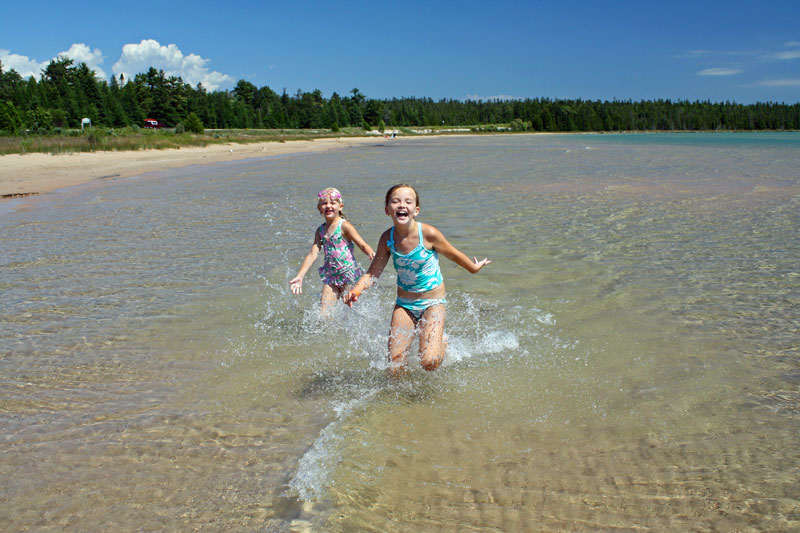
340, 267
417, 271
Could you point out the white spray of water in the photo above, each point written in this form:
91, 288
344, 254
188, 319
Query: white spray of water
315, 466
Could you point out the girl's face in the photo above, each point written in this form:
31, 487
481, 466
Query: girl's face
330, 208
402, 206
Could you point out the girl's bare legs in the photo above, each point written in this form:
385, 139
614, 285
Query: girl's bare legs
328, 299
431, 333
401, 335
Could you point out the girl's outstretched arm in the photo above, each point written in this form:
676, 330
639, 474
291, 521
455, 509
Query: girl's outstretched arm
296, 283
351, 234
441, 245
373, 272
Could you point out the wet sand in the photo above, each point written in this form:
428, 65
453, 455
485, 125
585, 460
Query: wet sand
32, 174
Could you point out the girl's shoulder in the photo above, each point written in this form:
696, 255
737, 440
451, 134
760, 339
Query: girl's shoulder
431, 236
347, 229
385, 236
428, 230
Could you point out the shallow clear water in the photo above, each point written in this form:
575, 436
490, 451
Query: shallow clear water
628, 361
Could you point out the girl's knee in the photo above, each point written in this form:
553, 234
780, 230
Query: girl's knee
431, 366
398, 358
432, 361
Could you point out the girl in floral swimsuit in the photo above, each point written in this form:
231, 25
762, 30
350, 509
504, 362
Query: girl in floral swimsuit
420, 305
335, 237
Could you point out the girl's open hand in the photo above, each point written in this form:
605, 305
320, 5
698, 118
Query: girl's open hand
480, 264
296, 284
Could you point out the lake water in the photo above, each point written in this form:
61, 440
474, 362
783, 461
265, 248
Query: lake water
629, 361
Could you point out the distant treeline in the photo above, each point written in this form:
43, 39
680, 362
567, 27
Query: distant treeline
66, 93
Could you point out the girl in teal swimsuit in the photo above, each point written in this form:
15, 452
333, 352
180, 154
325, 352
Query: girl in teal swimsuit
335, 237
420, 306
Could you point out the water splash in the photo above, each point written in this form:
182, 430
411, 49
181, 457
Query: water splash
316, 465
494, 342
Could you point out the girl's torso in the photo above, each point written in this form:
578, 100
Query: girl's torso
418, 271
339, 267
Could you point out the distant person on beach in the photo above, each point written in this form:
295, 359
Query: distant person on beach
335, 237
420, 305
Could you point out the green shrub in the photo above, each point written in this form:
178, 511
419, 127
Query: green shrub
518, 125
10, 120
38, 119
59, 118
94, 137
193, 124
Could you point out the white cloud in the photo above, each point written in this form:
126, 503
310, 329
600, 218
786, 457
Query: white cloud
193, 69
78, 52
781, 83
135, 59
81, 53
719, 53
475, 97
719, 72
25, 66
789, 54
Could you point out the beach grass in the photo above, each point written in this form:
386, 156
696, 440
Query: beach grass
132, 139
127, 139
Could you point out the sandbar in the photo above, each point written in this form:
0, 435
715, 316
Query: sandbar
31, 174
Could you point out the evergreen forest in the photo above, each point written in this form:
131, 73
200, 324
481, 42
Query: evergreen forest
67, 92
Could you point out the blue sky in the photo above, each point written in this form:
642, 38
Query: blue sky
743, 51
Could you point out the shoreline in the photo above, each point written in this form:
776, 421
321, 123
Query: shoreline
26, 176
29, 175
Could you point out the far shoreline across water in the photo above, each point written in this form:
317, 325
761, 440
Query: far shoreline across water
32, 174
24, 175
38, 173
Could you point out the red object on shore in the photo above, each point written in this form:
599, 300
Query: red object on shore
152, 123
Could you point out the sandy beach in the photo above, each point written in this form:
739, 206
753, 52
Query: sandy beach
32, 174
